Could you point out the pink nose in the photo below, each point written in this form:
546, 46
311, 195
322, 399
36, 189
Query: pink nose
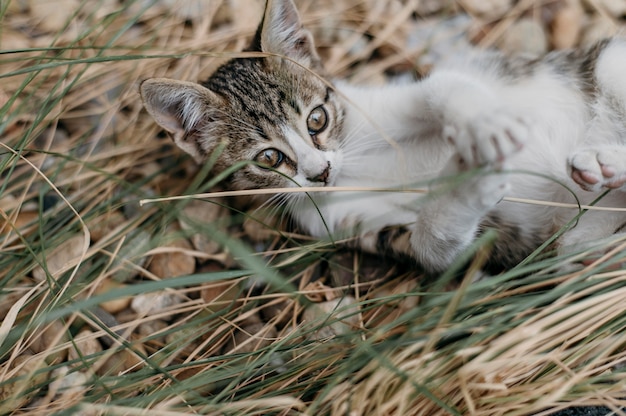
322, 177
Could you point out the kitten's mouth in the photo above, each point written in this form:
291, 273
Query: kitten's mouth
323, 178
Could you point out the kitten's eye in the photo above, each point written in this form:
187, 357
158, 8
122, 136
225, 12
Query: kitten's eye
317, 121
270, 158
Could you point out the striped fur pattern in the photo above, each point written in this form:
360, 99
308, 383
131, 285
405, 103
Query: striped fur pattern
507, 125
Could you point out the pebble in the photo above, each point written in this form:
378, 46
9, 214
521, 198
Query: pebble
220, 295
194, 215
85, 346
428, 7
487, 9
45, 339
151, 327
52, 15
131, 255
525, 36
183, 340
439, 40
19, 224
19, 389
147, 304
62, 258
189, 9
114, 305
67, 384
260, 225
332, 318
279, 311
105, 224
123, 361
597, 29
173, 263
616, 8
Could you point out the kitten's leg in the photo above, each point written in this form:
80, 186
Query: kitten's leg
601, 163
484, 133
603, 166
447, 223
461, 110
482, 129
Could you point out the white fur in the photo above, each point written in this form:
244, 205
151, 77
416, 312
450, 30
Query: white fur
398, 137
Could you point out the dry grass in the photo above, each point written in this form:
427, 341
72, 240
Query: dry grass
323, 330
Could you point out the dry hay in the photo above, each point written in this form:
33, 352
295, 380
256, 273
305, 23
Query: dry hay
110, 307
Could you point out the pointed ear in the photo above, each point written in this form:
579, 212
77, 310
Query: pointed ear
281, 32
183, 109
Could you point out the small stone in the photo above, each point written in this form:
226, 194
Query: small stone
428, 7
487, 9
173, 263
198, 213
17, 6
189, 9
597, 29
220, 295
62, 258
149, 328
615, 8
184, 340
131, 255
85, 345
152, 303
279, 311
526, 36
123, 361
567, 25
18, 390
332, 318
114, 305
52, 15
45, 339
18, 224
105, 224
8, 202
260, 225
9, 296
67, 385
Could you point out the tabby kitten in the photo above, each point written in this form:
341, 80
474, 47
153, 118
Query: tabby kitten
561, 117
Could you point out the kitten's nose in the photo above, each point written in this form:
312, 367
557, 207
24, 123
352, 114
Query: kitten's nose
322, 177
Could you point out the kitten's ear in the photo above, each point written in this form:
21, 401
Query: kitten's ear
281, 32
183, 109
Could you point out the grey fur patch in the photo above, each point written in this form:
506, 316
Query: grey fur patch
513, 243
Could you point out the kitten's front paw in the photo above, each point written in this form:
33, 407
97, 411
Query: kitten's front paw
594, 169
488, 139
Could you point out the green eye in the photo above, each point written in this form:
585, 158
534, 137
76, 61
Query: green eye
270, 158
317, 120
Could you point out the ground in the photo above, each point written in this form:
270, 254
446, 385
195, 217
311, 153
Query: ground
206, 306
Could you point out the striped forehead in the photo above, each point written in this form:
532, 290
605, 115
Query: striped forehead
259, 95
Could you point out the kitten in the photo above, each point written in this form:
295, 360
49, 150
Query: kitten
561, 117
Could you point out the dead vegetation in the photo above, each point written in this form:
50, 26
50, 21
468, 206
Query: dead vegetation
209, 307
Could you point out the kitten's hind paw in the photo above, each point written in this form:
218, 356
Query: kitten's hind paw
488, 139
594, 169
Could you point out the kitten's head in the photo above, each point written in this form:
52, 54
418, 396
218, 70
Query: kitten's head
274, 110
